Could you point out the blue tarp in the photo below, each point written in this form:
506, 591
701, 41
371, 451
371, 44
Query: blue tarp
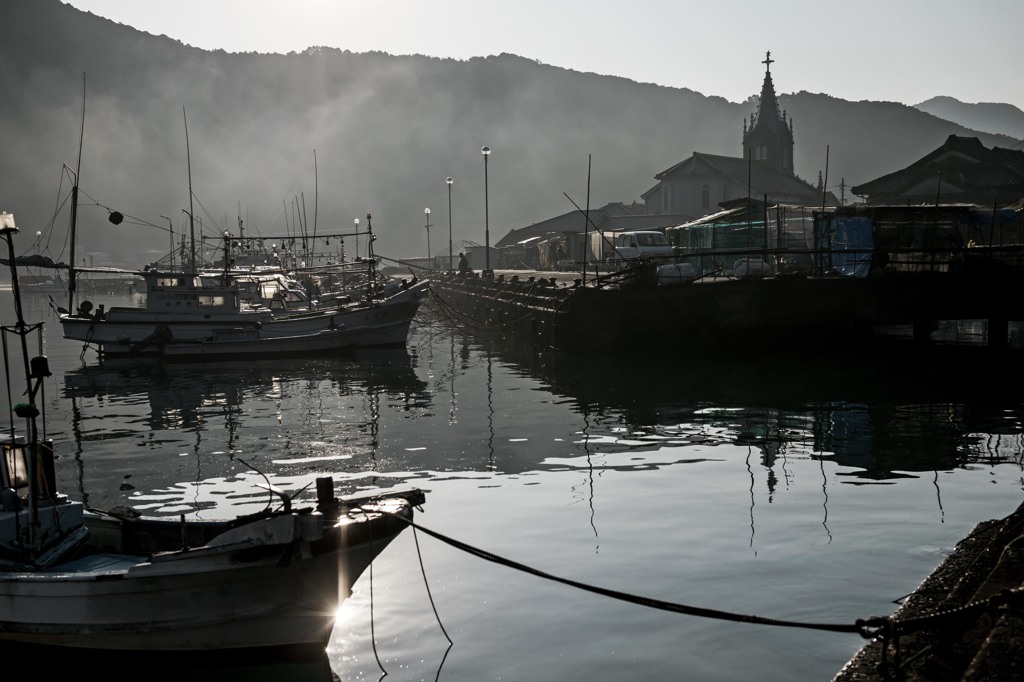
849, 243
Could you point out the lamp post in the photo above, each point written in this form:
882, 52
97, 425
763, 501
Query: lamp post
356, 221
426, 212
449, 182
486, 151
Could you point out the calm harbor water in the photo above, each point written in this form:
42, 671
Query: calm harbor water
815, 490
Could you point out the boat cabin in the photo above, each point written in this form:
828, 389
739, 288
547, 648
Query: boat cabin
28, 525
183, 292
271, 290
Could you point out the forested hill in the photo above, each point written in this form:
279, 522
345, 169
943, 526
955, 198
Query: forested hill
336, 135
992, 117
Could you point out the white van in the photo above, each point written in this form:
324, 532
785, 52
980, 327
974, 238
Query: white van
640, 244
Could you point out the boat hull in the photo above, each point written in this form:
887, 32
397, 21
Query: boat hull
139, 334
235, 595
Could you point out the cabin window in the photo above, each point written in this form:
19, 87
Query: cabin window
16, 468
204, 300
167, 282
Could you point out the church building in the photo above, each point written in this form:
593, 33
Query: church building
699, 185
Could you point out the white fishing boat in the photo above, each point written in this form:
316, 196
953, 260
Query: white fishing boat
191, 316
75, 577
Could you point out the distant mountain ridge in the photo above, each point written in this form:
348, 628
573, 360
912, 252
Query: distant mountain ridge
990, 117
326, 136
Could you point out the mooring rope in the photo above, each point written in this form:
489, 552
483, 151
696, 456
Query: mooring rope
858, 627
869, 628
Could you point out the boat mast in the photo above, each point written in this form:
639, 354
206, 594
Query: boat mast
73, 229
191, 212
371, 282
36, 369
316, 205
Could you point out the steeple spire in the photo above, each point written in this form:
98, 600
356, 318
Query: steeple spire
769, 137
768, 110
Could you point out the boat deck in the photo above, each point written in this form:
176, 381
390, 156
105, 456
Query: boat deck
98, 563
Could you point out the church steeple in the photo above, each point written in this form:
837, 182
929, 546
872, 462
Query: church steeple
769, 138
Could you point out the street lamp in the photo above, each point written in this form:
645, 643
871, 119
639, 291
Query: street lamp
486, 151
449, 181
426, 212
356, 221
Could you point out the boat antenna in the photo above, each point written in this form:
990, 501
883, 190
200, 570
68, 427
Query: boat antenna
191, 212
74, 206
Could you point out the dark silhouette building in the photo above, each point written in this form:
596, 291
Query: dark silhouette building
701, 184
962, 171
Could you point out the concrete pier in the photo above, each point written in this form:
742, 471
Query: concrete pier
980, 643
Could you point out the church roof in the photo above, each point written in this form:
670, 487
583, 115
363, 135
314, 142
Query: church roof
763, 177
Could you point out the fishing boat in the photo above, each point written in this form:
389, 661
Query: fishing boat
77, 577
188, 316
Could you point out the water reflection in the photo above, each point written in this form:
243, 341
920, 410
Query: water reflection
898, 409
374, 419
754, 484
195, 423
284, 665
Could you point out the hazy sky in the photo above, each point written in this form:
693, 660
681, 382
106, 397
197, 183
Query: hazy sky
892, 50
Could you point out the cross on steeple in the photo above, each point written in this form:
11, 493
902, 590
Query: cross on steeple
768, 61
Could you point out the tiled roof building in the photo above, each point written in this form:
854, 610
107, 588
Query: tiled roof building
962, 170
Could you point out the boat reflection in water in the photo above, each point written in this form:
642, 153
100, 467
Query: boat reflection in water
285, 419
